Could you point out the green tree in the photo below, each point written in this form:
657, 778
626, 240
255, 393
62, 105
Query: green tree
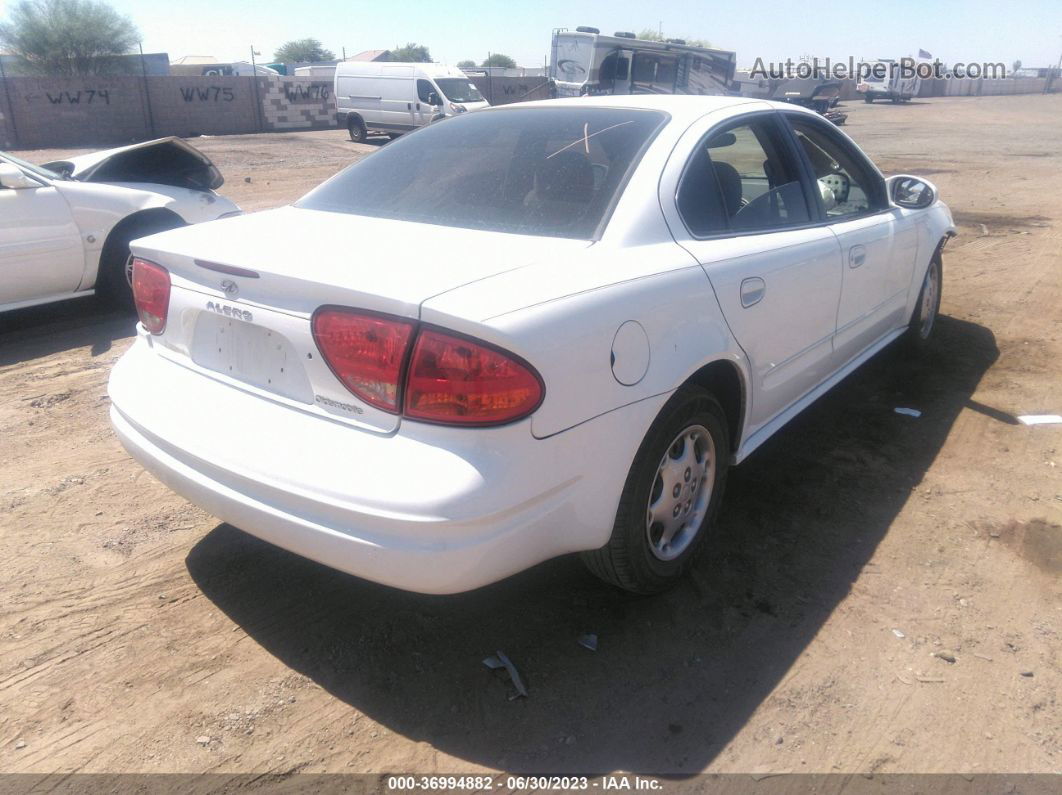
68, 37
500, 59
654, 35
466, 64
412, 52
302, 51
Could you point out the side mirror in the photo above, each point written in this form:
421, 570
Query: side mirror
433, 99
911, 192
12, 177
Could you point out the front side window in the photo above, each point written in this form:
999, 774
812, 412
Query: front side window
847, 186
741, 178
534, 171
424, 90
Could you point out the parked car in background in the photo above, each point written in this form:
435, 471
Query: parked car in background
394, 98
888, 83
538, 329
65, 227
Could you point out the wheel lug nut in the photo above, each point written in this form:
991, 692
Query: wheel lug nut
687, 474
675, 512
675, 491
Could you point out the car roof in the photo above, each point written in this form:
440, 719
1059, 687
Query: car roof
679, 106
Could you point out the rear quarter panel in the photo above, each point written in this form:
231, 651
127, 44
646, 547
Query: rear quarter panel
568, 337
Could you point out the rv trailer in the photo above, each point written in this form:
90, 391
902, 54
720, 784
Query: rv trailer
585, 62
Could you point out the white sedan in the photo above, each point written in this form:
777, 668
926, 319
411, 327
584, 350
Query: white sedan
65, 227
523, 332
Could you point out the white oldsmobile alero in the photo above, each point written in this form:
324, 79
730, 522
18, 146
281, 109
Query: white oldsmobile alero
527, 331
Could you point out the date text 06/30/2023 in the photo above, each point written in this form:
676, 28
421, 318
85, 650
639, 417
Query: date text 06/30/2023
514, 783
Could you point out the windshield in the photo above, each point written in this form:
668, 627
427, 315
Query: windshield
572, 58
40, 172
458, 89
535, 171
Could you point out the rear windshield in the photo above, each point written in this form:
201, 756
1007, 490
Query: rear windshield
535, 171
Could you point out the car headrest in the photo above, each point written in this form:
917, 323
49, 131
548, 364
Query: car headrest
566, 176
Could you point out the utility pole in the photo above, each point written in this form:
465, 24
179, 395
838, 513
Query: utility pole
147, 89
258, 114
10, 107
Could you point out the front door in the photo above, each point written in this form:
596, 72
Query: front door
41, 253
423, 109
854, 202
747, 220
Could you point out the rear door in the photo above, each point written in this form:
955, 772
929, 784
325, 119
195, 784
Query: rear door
40, 245
744, 213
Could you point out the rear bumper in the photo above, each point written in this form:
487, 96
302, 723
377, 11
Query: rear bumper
428, 509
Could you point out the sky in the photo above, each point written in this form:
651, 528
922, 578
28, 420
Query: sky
969, 31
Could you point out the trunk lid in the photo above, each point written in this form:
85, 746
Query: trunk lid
244, 291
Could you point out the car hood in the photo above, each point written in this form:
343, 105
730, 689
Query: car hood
164, 161
303, 259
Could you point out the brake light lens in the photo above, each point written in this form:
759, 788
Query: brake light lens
458, 381
151, 294
365, 351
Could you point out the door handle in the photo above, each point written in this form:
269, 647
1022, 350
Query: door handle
752, 291
409, 106
857, 255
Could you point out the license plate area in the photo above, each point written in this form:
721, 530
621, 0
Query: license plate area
251, 354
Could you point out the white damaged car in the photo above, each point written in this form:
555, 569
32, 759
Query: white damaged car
535, 329
65, 226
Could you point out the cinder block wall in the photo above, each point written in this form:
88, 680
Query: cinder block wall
297, 103
190, 106
67, 112
505, 90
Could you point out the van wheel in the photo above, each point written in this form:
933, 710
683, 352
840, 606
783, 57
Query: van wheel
671, 498
356, 128
868, 99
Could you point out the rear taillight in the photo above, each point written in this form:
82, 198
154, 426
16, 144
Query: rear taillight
365, 351
151, 293
458, 381
446, 378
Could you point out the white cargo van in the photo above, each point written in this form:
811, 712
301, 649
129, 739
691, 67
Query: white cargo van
395, 98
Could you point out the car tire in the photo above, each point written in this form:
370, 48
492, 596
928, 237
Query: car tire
924, 317
664, 498
393, 136
357, 131
868, 99
112, 284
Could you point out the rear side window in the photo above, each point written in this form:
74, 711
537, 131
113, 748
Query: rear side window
741, 178
535, 171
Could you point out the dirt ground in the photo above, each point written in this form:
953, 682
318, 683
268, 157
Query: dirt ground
883, 593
